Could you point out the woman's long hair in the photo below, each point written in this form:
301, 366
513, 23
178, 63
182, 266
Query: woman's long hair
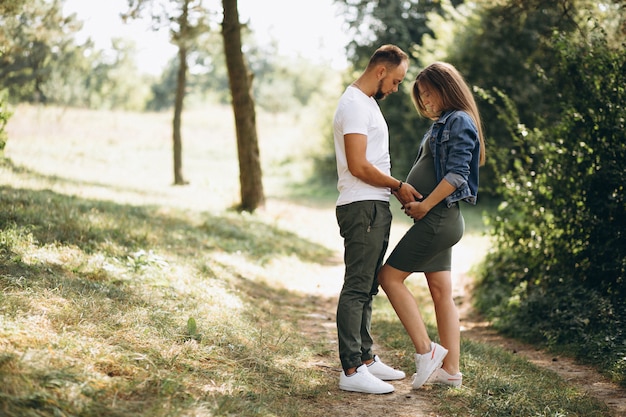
449, 84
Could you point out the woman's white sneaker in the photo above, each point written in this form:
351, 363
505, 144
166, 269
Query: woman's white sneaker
363, 381
427, 363
384, 372
440, 376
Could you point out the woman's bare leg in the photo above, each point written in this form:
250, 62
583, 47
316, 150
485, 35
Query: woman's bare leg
448, 326
403, 302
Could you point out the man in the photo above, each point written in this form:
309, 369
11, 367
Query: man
363, 215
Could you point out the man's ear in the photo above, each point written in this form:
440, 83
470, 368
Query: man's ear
381, 71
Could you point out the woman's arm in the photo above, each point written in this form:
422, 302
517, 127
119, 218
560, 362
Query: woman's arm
460, 145
419, 209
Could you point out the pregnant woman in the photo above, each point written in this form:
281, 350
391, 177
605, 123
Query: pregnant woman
445, 173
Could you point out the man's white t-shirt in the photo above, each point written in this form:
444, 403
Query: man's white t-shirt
358, 113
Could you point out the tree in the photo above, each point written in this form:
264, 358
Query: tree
250, 177
41, 62
5, 115
96, 79
10, 7
33, 39
7, 8
186, 20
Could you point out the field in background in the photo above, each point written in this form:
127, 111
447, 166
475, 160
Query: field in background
131, 153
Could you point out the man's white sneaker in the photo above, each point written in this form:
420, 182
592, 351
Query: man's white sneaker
440, 376
384, 372
427, 363
363, 381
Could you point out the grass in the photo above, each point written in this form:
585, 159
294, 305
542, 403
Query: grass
95, 310
125, 296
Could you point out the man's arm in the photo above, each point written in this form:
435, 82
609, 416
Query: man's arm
360, 167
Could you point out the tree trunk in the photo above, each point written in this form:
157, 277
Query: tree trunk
240, 80
178, 110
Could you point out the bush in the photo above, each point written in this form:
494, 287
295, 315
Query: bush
560, 263
4, 119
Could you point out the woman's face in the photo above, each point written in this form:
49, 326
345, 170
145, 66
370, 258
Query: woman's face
430, 98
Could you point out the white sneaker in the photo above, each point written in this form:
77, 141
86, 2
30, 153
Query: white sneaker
427, 363
440, 376
363, 381
384, 372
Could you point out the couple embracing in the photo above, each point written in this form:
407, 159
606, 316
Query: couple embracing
445, 173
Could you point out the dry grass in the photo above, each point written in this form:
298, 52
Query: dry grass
104, 263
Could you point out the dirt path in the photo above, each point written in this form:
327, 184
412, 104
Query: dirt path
585, 378
320, 325
323, 284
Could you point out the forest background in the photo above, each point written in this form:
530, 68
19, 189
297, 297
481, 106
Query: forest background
550, 78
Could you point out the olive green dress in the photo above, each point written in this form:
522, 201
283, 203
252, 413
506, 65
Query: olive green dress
427, 245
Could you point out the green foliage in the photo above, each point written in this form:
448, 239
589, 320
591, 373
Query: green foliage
33, 39
41, 63
374, 23
10, 6
503, 47
5, 115
89, 78
280, 83
114, 81
192, 330
164, 89
558, 274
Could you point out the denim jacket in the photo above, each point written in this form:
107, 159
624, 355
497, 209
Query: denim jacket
457, 153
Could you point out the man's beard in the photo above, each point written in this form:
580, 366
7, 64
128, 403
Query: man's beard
379, 91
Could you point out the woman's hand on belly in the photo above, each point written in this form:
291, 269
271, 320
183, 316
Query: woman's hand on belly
416, 209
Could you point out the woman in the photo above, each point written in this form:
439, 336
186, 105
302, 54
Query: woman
445, 173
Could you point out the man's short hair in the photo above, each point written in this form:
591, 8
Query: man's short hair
390, 55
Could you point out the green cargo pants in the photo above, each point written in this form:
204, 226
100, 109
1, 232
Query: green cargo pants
364, 226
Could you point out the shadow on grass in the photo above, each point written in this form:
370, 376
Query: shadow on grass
117, 230
42, 234
55, 179
255, 362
